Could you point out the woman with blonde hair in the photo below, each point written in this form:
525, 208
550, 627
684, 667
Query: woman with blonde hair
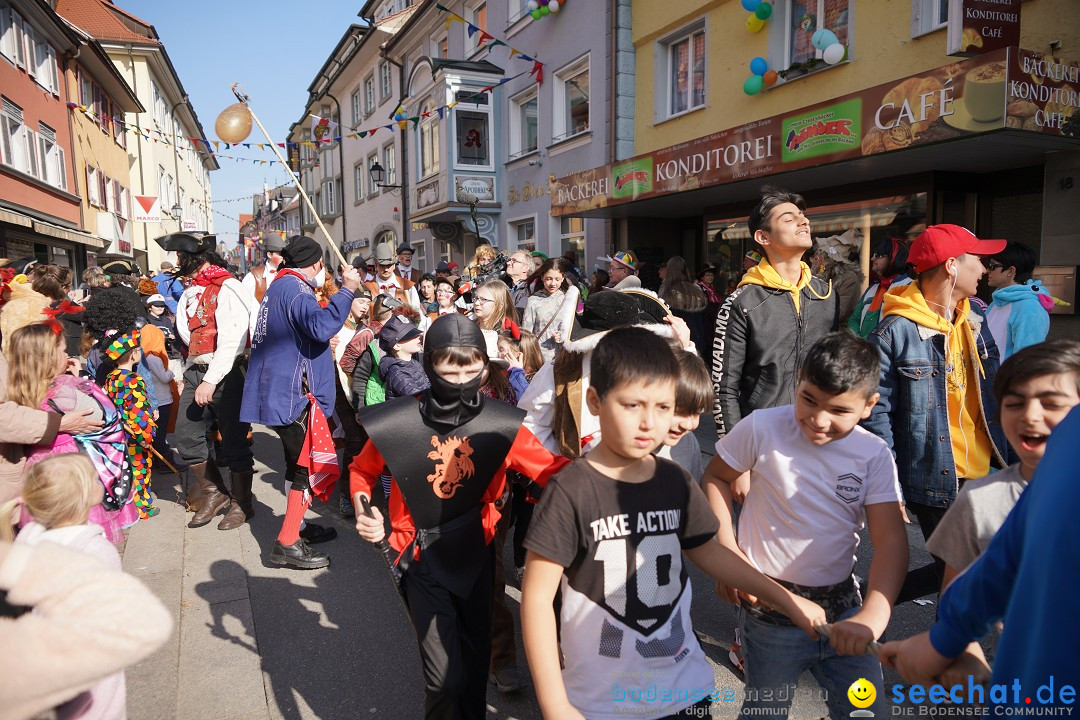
38, 378
493, 305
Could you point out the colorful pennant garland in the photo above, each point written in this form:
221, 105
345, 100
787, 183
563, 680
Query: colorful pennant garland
493, 42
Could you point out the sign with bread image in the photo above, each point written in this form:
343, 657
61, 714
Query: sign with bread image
1005, 90
977, 27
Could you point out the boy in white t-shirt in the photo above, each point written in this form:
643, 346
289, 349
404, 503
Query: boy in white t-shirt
611, 530
813, 474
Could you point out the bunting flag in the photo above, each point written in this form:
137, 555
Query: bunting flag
485, 37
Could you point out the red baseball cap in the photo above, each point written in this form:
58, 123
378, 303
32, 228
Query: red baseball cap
938, 243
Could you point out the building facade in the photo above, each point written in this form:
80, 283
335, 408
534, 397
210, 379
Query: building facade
41, 214
894, 135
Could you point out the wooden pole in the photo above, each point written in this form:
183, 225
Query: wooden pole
244, 99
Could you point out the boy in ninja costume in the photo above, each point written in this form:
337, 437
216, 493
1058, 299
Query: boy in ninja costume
444, 506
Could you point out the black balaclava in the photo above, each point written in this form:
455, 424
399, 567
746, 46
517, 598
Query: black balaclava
448, 403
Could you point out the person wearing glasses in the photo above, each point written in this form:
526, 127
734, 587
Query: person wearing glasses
518, 267
1019, 310
493, 306
888, 260
621, 265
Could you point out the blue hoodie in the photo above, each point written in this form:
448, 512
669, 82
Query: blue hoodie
1028, 577
1017, 318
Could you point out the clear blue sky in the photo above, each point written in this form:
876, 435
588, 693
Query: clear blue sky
272, 48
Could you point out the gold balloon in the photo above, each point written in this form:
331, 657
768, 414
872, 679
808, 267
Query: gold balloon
233, 125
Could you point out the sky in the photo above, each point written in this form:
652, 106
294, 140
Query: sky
273, 48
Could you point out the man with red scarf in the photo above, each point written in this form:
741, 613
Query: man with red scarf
291, 387
212, 318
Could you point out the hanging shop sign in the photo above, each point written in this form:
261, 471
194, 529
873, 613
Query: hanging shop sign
977, 27
1009, 89
483, 188
146, 209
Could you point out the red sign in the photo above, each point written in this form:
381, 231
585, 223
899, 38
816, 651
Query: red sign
981, 26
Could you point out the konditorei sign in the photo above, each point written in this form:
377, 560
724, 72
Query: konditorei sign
977, 27
1007, 89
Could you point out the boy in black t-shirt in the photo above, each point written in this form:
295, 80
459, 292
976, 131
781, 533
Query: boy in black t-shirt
610, 530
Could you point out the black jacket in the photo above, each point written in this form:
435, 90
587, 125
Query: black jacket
760, 343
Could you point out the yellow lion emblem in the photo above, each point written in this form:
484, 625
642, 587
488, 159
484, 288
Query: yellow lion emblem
453, 465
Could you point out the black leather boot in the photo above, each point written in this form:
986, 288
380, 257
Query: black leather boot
298, 555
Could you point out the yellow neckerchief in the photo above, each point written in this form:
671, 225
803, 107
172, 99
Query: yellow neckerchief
766, 275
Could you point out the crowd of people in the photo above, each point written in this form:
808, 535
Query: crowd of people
522, 403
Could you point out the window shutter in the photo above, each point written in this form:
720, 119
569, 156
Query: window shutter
31, 152
62, 168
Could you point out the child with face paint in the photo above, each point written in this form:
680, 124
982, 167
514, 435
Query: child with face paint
444, 505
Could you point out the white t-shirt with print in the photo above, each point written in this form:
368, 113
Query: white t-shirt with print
804, 509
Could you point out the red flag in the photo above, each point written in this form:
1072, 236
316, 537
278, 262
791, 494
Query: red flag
318, 455
538, 71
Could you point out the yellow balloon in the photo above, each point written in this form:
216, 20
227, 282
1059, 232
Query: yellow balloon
233, 125
754, 23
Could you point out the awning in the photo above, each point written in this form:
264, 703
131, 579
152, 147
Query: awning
64, 234
15, 218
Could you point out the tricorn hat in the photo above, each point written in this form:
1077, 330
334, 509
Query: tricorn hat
193, 243
117, 265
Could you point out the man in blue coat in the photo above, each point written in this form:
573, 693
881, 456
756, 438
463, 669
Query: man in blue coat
291, 357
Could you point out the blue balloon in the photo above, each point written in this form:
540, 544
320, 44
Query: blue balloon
823, 38
759, 66
750, 5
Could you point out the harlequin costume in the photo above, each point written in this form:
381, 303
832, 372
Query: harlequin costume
128, 392
444, 505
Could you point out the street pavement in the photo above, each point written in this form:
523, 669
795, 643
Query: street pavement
259, 641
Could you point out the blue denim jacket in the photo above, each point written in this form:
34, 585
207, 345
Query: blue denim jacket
912, 415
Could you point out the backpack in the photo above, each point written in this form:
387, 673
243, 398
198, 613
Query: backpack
368, 386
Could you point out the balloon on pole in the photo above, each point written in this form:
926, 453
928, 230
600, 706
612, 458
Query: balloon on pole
233, 125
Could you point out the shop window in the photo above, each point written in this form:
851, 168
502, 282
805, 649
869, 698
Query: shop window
369, 94
429, 140
359, 174
685, 70
473, 133
524, 232
477, 15
792, 26
572, 235
928, 16
523, 123
571, 111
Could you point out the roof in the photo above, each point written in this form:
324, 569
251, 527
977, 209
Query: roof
100, 20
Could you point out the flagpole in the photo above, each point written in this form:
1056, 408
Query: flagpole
244, 99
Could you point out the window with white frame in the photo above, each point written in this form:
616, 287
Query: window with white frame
329, 198
440, 46
524, 113
794, 22
390, 165
359, 180
928, 15
357, 110
163, 188
516, 10
92, 180
17, 144
52, 158
386, 81
571, 111
45, 64
373, 189
110, 195
524, 234
685, 71
369, 94
445, 251
572, 235
472, 127
429, 139
86, 88
476, 13
12, 36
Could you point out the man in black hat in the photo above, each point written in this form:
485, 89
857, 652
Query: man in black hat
260, 276
404, 269
212, 318
291, 381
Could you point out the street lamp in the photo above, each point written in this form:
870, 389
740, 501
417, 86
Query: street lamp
378, 174
176, 210
471, 200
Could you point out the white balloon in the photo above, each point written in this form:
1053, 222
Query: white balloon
553, 6
833, 54
533, 5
